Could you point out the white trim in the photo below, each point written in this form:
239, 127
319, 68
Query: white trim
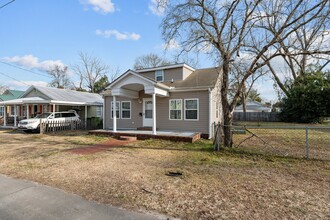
130, 109
210, 113
111, 104
191, 109
154, 118
169, 110
103, 112
114, 113
166, 67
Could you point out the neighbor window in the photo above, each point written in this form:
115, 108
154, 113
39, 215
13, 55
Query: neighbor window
191, 109
99, 111
2, 110
175, 109
117, 109
159, 75
12, 110
126, 110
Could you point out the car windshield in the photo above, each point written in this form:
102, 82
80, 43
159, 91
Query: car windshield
43, 115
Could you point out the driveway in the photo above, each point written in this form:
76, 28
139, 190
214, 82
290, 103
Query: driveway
20, 199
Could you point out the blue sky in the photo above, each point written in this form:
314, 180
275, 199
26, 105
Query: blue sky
36, 34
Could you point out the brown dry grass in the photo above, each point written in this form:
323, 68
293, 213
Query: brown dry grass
229, 185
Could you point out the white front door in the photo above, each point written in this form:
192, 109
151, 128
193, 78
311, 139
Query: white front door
147, 112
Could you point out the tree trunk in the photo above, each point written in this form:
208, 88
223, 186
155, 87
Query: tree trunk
228, 121
243, 100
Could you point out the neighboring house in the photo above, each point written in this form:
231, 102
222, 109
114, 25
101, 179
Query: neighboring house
6, 95
253, 106
39, 99
175, 97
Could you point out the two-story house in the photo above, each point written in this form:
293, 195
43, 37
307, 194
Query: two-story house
174, 97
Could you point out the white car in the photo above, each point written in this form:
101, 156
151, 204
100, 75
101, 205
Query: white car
33, 124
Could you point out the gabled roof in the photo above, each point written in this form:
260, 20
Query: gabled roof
200, 78
172, 66
10, 94
128, 72
67, 96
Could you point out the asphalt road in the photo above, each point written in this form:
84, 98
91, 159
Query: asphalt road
20, 199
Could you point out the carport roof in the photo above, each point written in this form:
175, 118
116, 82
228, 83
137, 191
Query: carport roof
58, 97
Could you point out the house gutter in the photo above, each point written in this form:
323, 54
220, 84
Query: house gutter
210, 113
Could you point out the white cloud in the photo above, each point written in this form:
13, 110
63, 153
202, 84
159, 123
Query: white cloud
103, 6
32, 62
23, 85
171, 45
158, 7
118, 35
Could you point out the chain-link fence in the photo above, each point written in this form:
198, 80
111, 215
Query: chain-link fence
289, 141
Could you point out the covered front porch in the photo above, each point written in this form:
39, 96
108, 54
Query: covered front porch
133, 91
145, 134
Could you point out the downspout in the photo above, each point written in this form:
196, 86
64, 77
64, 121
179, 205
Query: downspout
210, 113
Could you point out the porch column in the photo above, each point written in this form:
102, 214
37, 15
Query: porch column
54, 108
154, 114
15, 115
5, 117
86, 116
103, 112
114, 116
27, 111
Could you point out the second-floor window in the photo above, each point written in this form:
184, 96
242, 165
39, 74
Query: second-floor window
159, 75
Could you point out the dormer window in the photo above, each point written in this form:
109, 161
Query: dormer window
159, 75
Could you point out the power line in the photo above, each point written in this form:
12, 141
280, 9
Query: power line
6, 4
13, 78
12, 65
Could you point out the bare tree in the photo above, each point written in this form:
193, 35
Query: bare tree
90, 70
60, 78
149, 61
236, 28
3, 89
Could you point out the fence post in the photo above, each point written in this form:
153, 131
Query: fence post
306, 143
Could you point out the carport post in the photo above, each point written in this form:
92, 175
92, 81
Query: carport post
5, 117
85, 116
27, 111
15, 116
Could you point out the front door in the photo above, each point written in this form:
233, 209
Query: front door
147, 112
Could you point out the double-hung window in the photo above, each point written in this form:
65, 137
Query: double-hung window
159, 75
175, 109
126, 110
117, 109
2, 110
191, 107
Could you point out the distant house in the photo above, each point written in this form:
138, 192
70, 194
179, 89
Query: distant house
6, 95
174, 97
253, 106
39, 99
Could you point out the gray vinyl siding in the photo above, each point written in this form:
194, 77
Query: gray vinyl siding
162, 114
164, 123
134, 122
176, 74
36, 93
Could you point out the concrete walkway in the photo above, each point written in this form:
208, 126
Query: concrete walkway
20, 199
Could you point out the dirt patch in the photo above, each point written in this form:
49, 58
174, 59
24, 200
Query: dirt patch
226, 185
